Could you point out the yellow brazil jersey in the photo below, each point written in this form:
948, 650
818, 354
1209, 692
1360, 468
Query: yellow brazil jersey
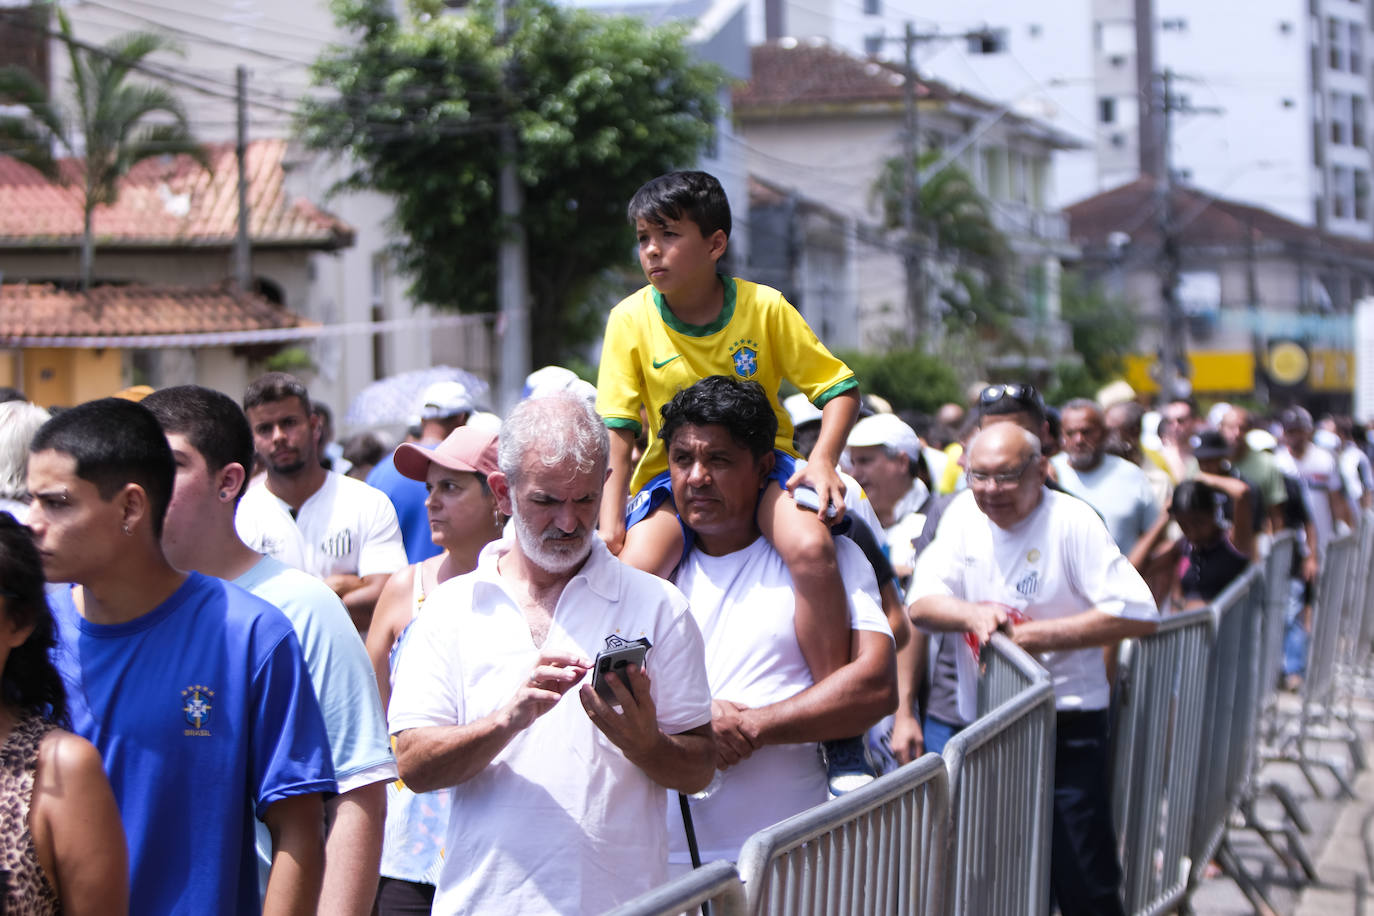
649, 355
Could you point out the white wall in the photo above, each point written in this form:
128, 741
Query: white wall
1047, 65
1260, 149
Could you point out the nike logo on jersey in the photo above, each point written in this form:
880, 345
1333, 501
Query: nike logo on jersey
660, 365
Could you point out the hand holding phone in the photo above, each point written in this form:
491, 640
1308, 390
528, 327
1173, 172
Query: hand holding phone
617, 660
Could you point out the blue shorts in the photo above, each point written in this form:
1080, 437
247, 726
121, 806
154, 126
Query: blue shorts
660, 488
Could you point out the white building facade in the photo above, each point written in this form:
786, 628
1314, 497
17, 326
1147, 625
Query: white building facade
1290, 79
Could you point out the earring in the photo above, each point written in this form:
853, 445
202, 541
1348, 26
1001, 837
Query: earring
126, 529
223, 494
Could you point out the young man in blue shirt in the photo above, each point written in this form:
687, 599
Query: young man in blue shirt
194, 692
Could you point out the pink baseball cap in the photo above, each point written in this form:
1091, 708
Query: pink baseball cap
464, 449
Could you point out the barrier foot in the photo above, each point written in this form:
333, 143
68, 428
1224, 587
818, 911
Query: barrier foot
1291, 809
1292, 853
1231, 865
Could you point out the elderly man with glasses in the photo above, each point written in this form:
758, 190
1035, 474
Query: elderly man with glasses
1012, 554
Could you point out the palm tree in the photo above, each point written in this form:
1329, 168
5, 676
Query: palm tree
111, 124
954, 219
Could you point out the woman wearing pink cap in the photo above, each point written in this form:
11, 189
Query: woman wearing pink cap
462, 519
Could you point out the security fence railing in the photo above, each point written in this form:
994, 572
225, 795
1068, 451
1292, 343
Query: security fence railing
968, 832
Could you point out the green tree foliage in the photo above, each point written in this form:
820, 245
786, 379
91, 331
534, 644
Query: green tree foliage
955, 219
908, 378
1104, 332
599, 105
110, 125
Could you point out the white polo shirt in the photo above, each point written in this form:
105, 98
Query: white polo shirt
345, 526
745, 604
1059, 561
559, 821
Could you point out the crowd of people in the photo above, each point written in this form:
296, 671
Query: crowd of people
542, 664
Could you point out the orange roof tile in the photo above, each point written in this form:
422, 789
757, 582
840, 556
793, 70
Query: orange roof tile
169, 201
32, 311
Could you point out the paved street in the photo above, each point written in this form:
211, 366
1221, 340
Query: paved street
1341, 842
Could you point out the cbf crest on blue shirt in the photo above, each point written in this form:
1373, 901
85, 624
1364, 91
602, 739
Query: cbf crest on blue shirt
204, 715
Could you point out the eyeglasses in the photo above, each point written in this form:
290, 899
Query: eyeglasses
1005, 479
1022, 394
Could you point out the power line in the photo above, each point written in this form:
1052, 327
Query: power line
196, 36
295, 36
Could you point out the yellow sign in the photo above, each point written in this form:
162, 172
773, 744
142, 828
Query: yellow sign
1231, 372
1288, 362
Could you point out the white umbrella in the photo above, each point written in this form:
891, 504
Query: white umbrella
396, 399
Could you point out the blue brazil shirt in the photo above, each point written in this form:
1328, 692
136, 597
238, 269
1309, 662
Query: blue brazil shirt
203, 714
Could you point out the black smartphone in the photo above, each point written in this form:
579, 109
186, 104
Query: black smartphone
617, 660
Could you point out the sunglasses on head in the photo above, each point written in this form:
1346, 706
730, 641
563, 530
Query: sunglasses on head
1021, 394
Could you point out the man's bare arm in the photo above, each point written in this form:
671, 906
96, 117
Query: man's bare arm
436, 756
297, 827
682, 762
361, 600
840, 706
353, 850
948, 614
1089, 629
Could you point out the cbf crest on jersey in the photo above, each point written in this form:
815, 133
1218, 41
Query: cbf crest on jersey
745, 355
197, 701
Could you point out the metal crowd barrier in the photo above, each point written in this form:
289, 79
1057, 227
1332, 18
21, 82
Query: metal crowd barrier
1001, 788
1364, 644
1230, 715
1278, 566
714, 888
1317, 719
875, 851
1156, 736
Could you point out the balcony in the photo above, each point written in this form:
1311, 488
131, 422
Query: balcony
1018, 221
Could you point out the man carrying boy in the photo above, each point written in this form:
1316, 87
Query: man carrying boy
690, 323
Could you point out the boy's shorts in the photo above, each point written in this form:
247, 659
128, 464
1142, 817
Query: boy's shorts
660, 488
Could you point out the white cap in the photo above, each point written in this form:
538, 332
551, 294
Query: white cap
487, 422
800, 409
446, 399
548, 380
887, 430
1261, 440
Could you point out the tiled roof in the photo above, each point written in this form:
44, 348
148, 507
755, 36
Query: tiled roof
1202, 219
168, 201
31, 311
807, 75
790, 72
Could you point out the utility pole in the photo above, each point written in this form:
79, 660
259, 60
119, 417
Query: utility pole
1174, 344
514, 326
243, 255
913, 248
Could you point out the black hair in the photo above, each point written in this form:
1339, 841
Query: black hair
1004, 400
30, 681
274, 387
364, 448
11, 394
115, 442
718, 400
695, 196
211, 421
1194, 496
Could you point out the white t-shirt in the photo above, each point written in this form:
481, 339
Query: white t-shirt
1058, 562
340, 672
344, 527
1118, 490
559, 821
1317, 472
745, 605
910, 522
